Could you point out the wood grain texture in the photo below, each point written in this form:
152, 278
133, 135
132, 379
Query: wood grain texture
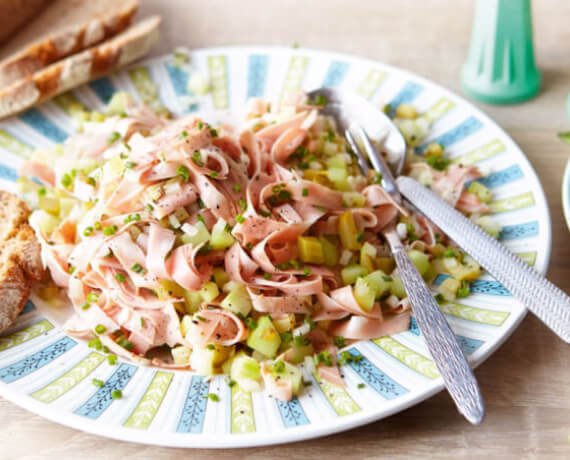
525, 383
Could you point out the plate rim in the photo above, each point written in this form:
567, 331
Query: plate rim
337, 425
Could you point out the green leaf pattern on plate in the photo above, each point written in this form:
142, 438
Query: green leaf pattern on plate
371, 83
528, 257
512, 203
21, 336
15, 146
482, 153
338, 398
147, 407
478, 315
438, 110
242, 418
71, 378
295, 73
408, 357
219, 79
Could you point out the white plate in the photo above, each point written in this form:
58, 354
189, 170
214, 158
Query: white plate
50, 374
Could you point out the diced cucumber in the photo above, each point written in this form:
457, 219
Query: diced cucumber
468, 269
339, 177
397, 287
300, 351
353, 199
185, 324
49, 204
246, 372
329, 148
330, 252
285, 323
195, 234
220, 277
192, 301
367, 256
43, 221
287, 373
181, 355
337, 161
448, 289
238, 301
206, 361
209, 291
221, 238
310, 250
380, 282
364, 294
420, 260
482, 192
66, 205
264, 338
351, 273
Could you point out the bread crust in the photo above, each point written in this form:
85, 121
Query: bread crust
20, 257
65, 42
79, 68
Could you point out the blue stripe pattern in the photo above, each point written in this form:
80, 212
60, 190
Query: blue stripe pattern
44, 125
179, 79
8, 173
256, 75
103, 88
454, 135
374, 377
468, 345
102, 398
515, 232
479, 286
194, 411
408, 93
36, 361
335, 73
292, 413
505, 176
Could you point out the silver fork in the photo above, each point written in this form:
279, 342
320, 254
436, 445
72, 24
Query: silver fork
440, 339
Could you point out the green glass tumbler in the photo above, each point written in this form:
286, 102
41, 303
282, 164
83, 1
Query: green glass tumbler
500, 67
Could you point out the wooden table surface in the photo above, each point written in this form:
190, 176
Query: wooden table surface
526, 382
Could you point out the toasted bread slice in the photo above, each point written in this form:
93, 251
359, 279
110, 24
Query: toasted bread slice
14, 289
63, 29
20, 257
14, 13
79, 68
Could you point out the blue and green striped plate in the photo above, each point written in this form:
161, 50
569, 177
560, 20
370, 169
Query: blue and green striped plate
50, 374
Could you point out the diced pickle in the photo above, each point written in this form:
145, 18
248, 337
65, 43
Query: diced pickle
448, 289
310, 250
364, 294
348, 232
264, 338
330, 252
351, 273
482, 192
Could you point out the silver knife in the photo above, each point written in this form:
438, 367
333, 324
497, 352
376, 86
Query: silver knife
549, 303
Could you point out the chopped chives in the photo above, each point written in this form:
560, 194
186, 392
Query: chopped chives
116, 394
240, 219
360, 386
212, 397
213, 173
42, 191
306, 271
237, 188
183, 172
88, 231
137, 268
120, 277
112, 359
210, 346
114, 137
305, 192
100, 329
200, 125
66, 180
98, 383
130, 164
242, 204
267, 276
109, 230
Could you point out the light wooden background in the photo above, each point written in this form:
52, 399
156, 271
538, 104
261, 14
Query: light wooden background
526, 384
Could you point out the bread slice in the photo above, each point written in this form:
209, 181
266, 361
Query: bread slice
20, 257
63, 29
79, 68
14, 290
14, 13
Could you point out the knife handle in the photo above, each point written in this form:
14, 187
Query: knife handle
440, 339
549, 303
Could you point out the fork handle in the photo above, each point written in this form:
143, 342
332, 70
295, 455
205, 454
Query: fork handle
440, 339
534, 291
